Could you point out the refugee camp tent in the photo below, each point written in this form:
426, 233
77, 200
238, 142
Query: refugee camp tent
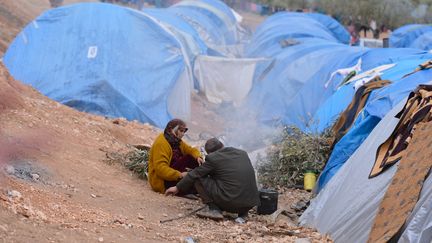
182, 29
268, 39
332, 26
347, 206
218, 74
295, 68
411, 36
107, 60
423, 42
307, 61
298, 48
330, 110
214, 21
380, 103
399, 33
302, 109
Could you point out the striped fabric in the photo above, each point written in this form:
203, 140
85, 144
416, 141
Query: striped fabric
416, 110
347, 118
404, 191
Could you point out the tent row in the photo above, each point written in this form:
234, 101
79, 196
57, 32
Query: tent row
118, 62
309, 57
310, 82
313, 80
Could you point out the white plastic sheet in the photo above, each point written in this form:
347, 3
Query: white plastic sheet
225, 79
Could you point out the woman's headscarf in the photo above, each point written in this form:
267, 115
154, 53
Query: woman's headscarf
173, 140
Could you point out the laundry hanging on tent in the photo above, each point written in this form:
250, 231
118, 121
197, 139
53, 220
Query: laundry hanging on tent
350, 75
404, 190
417, 109
368, 75
344, 72
347, 118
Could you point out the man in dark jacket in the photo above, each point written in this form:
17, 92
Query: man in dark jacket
226, 181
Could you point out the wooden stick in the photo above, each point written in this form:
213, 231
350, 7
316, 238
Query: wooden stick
183, 216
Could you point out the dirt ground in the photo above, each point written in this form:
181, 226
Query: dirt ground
251, 20
55, 184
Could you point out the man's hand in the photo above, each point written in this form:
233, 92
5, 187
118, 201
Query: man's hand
171, 191
183, 174
200, 160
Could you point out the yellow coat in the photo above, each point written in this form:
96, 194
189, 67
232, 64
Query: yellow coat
159, 162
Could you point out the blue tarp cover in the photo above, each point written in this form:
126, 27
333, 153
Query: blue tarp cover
100, 58
412, 36
286, 25
213, 20
379, 104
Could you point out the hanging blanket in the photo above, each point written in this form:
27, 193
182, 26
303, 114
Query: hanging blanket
404, 190
416, 110
347, 118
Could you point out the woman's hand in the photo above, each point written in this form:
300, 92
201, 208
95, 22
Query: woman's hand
183, 174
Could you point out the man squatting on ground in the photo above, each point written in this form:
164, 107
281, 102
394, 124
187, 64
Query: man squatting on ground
225, 181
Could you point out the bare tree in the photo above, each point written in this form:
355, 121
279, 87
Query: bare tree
391, 13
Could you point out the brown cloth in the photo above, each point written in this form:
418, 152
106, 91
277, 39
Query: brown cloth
417, 109
423, 66
404, 190
228, 177
347, 118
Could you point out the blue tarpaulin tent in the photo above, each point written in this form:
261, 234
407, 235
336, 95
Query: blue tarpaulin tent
183, 30
266, 41
301, 49
399, 33
101, 58
329, 111
119, 62
213, 21
423, 42
412, 36
379, 104
302, 108
304, 56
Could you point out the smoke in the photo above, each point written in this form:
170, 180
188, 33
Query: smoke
243, 130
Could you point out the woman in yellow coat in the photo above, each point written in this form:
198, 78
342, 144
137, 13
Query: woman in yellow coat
170, 157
